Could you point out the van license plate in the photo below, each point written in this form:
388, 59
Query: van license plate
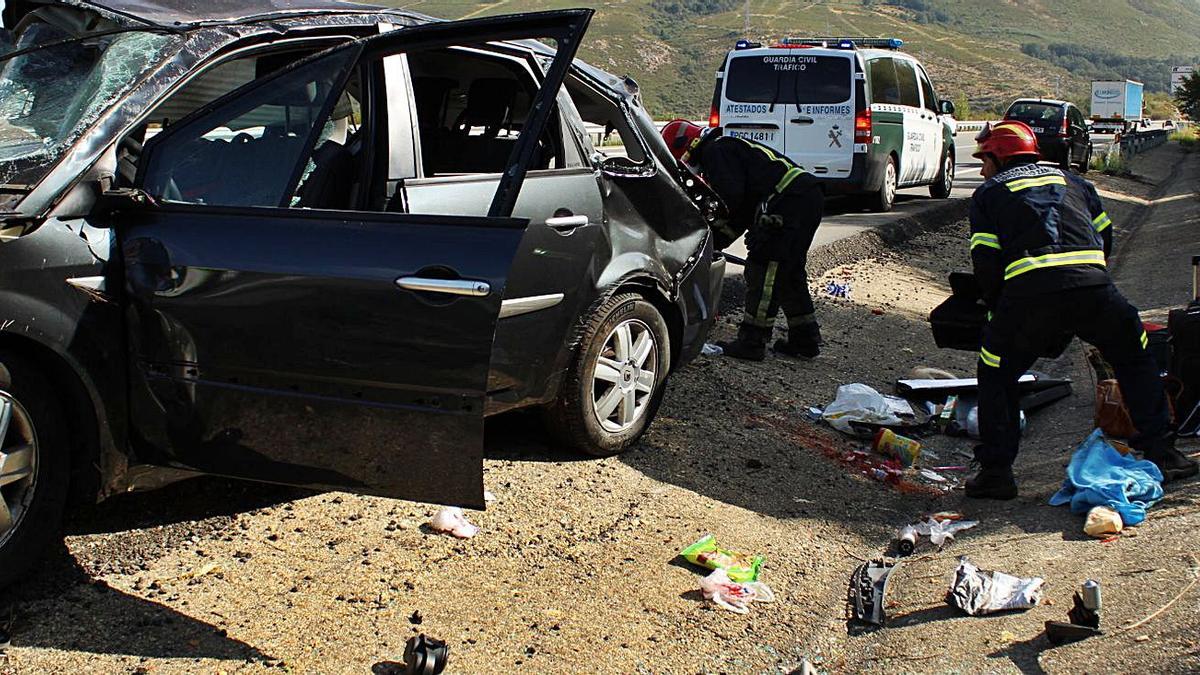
759, 136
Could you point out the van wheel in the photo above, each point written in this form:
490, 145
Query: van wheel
885, 198
941, 188
612, 390
1087, 162
34, 467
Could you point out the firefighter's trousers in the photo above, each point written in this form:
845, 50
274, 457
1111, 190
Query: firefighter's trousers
1024, 328
776, 266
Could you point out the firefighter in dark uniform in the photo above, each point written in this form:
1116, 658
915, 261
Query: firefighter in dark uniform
778, 206
1040, 240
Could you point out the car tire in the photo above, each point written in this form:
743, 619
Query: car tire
604, 414
1086, 164
885, 198
1065, 163
34, 467
944, 184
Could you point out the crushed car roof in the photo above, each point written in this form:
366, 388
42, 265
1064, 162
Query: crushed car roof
184, 12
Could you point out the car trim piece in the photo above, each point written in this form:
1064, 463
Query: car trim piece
468, 287
533, 303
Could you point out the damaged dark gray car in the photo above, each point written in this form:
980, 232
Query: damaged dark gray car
316, 243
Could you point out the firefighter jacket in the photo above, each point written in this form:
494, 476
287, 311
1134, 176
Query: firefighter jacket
1035, 230
746, 175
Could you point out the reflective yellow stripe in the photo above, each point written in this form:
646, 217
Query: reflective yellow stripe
985, 239
764, 303
1101, 221
1145, 340
792, 174
1054, 260
988, 358
1026, 183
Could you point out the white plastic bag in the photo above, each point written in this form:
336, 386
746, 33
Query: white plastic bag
733, 596
451, 520
939, 531
978, 592
860, 403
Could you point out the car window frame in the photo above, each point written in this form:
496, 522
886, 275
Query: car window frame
219, 106
926, 86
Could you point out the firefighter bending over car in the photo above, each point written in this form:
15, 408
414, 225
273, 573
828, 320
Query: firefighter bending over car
1039, 243
778, 206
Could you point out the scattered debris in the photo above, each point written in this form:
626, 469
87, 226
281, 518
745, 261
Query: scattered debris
938, 531
734, 596
1102, 522
838, 290
1084, 617
930, 373
424, 655
935, 389
707, 553
868, 590
451, 520
903, 448
979, 592
858, 409
488, 497
709, 349
1098, 475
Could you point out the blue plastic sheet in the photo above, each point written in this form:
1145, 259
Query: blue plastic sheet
1098, 475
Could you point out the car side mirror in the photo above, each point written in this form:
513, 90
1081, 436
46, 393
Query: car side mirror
946, 107
623, 167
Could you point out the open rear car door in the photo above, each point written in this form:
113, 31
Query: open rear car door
341, 349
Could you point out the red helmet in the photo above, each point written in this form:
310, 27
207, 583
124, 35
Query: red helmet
1006, 140
681, 136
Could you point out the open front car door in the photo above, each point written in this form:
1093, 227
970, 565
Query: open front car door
287, 323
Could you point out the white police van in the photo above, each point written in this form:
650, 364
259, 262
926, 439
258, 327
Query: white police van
854, 112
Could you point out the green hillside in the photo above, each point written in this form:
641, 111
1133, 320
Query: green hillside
986, 51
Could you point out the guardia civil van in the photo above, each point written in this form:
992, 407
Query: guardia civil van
855, 112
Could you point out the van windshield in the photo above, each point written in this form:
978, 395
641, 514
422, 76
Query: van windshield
1036, 114
788, 79
50, 96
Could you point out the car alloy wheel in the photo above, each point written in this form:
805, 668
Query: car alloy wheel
18, 464
885, 198
625, 376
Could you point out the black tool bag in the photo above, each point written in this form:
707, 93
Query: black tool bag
958, 322
1184, 326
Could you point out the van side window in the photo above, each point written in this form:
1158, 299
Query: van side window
927, 93
906, 75
884, 86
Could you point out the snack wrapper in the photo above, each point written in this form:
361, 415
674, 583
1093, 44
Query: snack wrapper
739, 566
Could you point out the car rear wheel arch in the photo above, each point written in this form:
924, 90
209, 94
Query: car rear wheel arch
82, 418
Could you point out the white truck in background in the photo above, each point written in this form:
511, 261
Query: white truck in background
1116, 105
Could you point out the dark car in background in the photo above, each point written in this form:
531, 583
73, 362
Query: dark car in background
1062, 131
316, 243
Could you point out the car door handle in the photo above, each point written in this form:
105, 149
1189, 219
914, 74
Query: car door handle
566, 222
802, 120
468, 287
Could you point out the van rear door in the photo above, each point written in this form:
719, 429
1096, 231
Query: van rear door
754, 106
820, 119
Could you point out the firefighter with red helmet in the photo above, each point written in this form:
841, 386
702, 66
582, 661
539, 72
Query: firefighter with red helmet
1040, 240
778, 206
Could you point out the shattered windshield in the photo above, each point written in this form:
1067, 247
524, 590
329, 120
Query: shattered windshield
50, 96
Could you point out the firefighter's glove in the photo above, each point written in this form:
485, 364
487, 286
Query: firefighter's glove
768, 222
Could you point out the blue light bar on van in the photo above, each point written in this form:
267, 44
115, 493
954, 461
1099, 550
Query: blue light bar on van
845, 42
746, 44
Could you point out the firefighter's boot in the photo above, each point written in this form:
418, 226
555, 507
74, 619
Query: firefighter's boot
803, 341
750, 345
1173, 463
992, 482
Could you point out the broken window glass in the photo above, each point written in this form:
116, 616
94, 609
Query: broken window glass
50, 96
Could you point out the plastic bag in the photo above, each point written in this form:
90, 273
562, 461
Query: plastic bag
862, 404
978, 592
451, 520
707, 553
939, 531
734, 596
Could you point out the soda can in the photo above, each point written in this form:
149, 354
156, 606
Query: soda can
1091, 595
906, 540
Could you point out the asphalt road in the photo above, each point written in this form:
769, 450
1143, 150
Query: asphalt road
845, 218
